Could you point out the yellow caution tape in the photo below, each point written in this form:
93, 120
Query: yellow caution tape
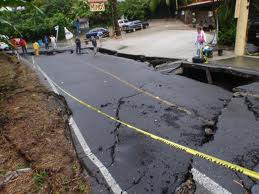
193, 152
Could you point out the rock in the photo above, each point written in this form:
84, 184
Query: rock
24, 170
179, 71
188, 187
11, 175
209, 131
255, 189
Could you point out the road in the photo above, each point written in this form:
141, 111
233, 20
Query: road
140, 164
171, 39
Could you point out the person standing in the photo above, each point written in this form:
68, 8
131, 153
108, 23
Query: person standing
200, 41
53, 41
36, 47
99, 36
94, 43
23, 44
46, 41
78, 45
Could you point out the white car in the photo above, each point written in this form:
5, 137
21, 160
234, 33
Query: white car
4, 46
122, 22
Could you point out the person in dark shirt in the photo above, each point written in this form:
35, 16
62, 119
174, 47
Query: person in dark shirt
46, 41
78, 45
94, 43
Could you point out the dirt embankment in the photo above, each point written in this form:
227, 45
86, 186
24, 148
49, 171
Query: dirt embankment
36, 154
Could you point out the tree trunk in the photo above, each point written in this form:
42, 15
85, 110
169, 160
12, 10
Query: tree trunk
115, 18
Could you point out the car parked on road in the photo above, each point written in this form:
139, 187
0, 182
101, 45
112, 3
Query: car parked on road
4, 46
96, 31
121, 22
134, 25
253, 32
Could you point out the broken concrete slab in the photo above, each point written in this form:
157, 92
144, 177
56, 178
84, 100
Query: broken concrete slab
249, 89
234, 141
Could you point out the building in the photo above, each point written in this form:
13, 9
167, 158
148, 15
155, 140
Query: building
84, 24
199, 12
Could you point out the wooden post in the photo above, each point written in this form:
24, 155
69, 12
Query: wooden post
242, 11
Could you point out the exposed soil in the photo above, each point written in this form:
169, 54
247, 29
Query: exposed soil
36, 154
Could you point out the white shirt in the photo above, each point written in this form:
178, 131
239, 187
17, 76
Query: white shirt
52, 39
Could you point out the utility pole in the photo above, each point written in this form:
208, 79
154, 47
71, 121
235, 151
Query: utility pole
242, 12
115, 18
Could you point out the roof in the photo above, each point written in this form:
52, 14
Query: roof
201, 3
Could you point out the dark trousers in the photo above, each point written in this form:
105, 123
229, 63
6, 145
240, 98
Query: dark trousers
24, 49
46, 45
78, 49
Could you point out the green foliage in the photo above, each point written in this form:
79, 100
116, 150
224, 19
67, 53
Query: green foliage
254, 8
81, 9
34, 24
227, 23
134, 9
40, 178
5, 3
184, 2
153, 4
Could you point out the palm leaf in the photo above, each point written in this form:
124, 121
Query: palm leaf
16, 3
2, 21
154, 4
11, 3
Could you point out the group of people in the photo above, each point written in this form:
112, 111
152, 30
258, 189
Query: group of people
52, 40
37, 44
200, 43
93, 40
19, 42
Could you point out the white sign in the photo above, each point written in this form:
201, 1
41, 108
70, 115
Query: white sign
97, 7
56, 28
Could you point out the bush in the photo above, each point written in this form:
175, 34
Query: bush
227, 23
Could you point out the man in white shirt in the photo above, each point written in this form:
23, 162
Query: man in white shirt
53, 41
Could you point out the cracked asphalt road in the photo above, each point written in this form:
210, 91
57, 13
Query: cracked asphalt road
137, 163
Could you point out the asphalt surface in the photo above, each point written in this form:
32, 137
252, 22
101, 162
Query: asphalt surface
140, 164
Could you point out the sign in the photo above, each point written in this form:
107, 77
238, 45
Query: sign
97, 6
56, 28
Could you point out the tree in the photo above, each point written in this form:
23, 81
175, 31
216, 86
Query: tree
115, 17
134, 9
155, 3
34, 23
4, 22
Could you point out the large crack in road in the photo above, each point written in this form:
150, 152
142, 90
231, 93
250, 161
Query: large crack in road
117, 127
142, 165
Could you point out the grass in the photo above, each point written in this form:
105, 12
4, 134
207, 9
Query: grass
40, 178
29, 118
